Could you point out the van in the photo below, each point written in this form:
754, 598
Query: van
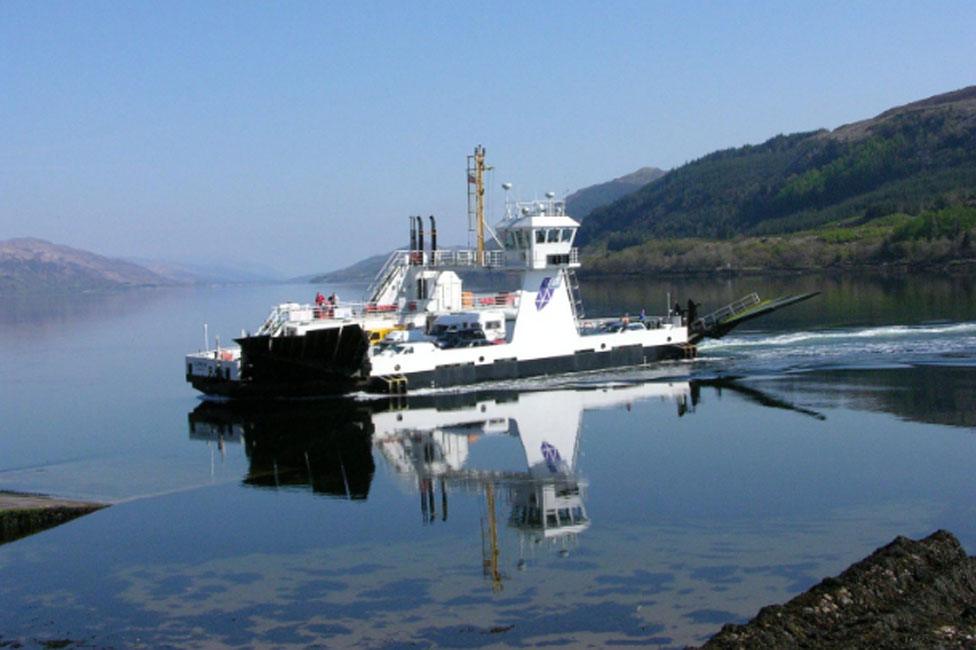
490, 323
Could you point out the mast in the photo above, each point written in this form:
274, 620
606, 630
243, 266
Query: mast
476, 199
490, 555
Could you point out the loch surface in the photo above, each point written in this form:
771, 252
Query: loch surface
647, 506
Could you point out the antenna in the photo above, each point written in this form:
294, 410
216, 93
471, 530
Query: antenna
508, 205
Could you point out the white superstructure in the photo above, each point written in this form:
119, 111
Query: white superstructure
542, 321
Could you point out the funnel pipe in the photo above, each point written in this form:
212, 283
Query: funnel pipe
420, 238
433, 236
413, 236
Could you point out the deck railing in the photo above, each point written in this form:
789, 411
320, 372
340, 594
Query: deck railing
465, 258
344, 311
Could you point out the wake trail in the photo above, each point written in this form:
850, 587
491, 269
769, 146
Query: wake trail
866, 334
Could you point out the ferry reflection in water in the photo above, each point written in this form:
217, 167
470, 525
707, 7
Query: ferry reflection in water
325, 447
428, 441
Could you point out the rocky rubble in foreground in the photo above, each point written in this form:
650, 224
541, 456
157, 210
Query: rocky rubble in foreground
908, 594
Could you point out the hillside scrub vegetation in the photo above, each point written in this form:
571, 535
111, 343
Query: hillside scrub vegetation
936, 238
900, 187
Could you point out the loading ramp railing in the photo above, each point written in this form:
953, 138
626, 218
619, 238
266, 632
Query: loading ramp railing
727, 312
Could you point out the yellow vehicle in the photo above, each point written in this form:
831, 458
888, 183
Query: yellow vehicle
377, 335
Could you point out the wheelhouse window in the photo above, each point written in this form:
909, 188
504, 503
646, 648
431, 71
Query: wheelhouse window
553, 237
540, 236
567, 235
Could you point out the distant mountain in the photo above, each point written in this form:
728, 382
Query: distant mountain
917, 157
581, 202
34, 265
197, 273
362, 271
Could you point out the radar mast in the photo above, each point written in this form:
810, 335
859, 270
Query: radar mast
476, 199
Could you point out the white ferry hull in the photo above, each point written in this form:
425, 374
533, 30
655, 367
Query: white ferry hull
505, 369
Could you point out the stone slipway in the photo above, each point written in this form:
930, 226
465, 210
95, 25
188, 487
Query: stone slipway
25, 514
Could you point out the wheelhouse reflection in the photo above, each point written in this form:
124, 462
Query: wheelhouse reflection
530, 468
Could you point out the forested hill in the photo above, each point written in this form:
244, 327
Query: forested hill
909, 159
581, 202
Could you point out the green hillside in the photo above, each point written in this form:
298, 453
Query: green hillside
582, 202
909, 161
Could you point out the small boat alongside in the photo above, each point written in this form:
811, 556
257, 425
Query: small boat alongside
417, 326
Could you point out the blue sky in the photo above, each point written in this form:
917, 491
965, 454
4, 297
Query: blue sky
300, 135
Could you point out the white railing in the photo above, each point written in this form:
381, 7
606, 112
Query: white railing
400, 260
441, 258
345, 311
466, 258
547, 208
730, 310
395, 263
306, 313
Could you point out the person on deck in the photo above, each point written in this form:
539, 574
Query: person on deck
319, 301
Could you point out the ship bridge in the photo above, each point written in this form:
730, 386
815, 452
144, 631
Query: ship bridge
539, 235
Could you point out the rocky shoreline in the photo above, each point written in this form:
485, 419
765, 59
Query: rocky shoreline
25, 514
908, 594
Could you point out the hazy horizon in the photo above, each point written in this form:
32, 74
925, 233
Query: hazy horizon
299, 136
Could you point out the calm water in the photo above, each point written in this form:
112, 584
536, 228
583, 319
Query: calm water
644, 507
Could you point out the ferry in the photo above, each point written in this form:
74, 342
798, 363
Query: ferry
418, 328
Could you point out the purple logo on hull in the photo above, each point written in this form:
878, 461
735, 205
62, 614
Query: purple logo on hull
553, 459
545, 293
